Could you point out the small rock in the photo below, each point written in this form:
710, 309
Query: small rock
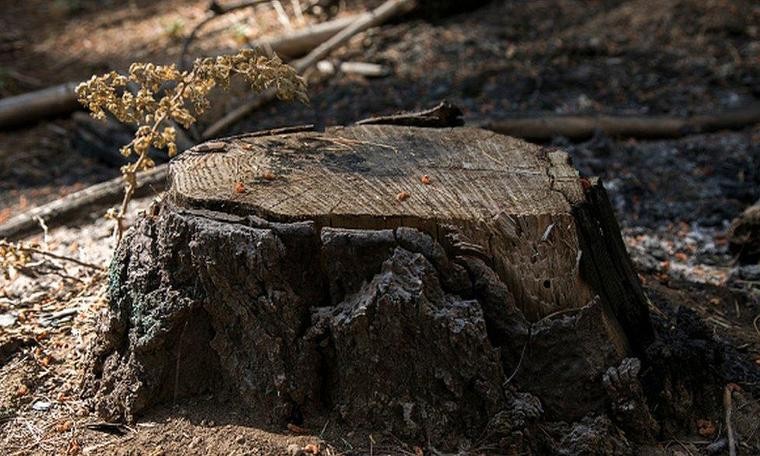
7, 320
41, 406
294, 450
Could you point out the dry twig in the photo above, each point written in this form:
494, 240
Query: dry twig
10, 248
728, 406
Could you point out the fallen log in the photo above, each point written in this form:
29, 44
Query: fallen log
317, 274
32, 106
546, 127
382, 13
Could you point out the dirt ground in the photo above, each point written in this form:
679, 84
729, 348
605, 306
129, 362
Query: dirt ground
674, 198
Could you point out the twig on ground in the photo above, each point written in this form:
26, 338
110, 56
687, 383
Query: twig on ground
44, 227
281, 15
728, 406
49, 319
86, 200
29, 249
296, 4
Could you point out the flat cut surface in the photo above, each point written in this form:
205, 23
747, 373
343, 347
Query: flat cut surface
376, 172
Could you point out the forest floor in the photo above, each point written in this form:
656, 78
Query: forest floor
674, 198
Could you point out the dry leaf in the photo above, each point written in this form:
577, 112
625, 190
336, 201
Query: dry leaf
22, 390
311, 448
63, 426
268, 175
402, 196
425, 179
74, 447
239, 187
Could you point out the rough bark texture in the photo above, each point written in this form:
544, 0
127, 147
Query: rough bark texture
288, 271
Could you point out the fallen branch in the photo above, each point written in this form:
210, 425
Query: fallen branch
45, 253
384, 12
55, 318
39, 104
728, 406
546, 127
84, 201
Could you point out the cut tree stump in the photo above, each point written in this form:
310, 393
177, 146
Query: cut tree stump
388, 277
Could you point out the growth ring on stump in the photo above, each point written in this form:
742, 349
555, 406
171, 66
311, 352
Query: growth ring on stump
400, 278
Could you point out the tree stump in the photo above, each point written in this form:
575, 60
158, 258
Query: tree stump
394, 278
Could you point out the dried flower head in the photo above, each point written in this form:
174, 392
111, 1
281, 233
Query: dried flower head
13, 258
156, 97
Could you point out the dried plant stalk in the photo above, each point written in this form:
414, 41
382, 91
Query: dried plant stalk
164, 95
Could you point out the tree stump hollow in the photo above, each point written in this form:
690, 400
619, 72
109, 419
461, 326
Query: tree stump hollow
397, 278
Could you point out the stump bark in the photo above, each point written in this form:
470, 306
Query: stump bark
394, 278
